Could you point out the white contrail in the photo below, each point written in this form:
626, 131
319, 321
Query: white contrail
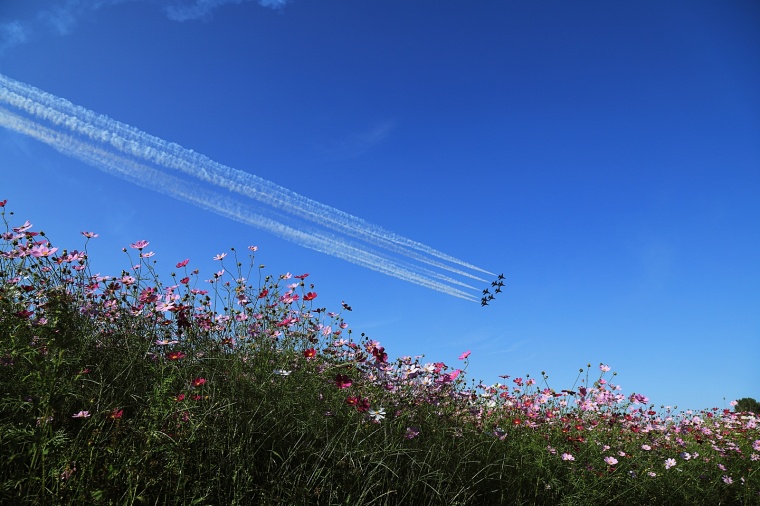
153, 179
139, 145
134, 142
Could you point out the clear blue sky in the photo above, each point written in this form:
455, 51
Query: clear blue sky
605, 156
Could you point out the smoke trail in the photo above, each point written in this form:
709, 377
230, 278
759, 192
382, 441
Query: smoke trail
134, 144
152, 179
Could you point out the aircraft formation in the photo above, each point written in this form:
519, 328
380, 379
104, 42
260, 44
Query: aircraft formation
498, 283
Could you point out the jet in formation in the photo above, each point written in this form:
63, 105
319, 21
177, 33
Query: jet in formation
498, 283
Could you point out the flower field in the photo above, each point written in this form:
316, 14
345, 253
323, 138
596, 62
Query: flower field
238, 388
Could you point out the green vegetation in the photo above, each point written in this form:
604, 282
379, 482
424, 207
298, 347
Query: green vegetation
747, 405
125, 390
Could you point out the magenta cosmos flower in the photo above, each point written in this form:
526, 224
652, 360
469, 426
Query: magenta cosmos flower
343, 381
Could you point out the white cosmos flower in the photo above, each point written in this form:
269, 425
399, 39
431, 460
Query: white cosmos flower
376, 414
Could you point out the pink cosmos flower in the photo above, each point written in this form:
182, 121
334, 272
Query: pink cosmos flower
342, 381
611, 461
220, 256
23, 228
727, 480
412, 432
604, 368
302, 276
90, 235
42, 251
567, 456
183, 263
82, 414
464, 355
670, 463
638, 399
139, 244
253, 248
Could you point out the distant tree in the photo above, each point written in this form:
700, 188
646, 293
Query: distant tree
747, 404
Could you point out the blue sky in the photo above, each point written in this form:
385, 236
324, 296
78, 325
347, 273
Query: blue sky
605, 156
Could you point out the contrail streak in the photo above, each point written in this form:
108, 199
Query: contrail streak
153, 179
134, 142
102, 134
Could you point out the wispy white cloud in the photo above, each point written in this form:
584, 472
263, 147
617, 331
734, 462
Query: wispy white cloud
12, 34
143, 159
64, 15
201, 9
356, 144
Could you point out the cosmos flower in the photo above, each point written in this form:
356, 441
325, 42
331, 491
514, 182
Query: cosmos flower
376, 414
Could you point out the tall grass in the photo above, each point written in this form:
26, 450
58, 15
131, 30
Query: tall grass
126, 390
